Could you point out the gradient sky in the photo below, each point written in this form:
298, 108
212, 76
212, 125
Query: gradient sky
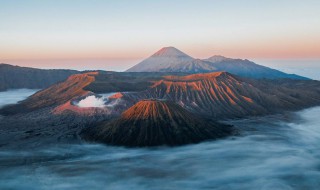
113, 35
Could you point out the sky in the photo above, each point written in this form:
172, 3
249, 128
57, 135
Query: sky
114, 35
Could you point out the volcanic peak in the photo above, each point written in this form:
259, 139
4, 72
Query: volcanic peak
170, 52
156, 122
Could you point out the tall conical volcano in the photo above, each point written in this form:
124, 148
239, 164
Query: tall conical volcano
156, 122
170, 59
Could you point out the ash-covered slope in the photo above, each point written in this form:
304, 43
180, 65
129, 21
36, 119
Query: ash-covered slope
156, 122
170, 59
13, 77
223, 95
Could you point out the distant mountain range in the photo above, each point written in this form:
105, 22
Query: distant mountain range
170, 59
13, 77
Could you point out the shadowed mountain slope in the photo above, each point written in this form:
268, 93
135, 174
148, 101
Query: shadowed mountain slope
156, 122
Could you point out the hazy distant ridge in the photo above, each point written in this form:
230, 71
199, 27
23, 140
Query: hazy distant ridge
13, 77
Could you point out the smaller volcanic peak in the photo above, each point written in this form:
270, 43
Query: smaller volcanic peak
217, 58
156, 122
170, 52
56, 94
150, 109
64, 91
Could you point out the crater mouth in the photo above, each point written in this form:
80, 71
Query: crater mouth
93, 100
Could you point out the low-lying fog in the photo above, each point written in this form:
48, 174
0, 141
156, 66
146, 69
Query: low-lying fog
274, 152
13, 96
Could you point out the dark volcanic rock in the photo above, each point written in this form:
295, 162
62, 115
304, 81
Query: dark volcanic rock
40, 128
156, 122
